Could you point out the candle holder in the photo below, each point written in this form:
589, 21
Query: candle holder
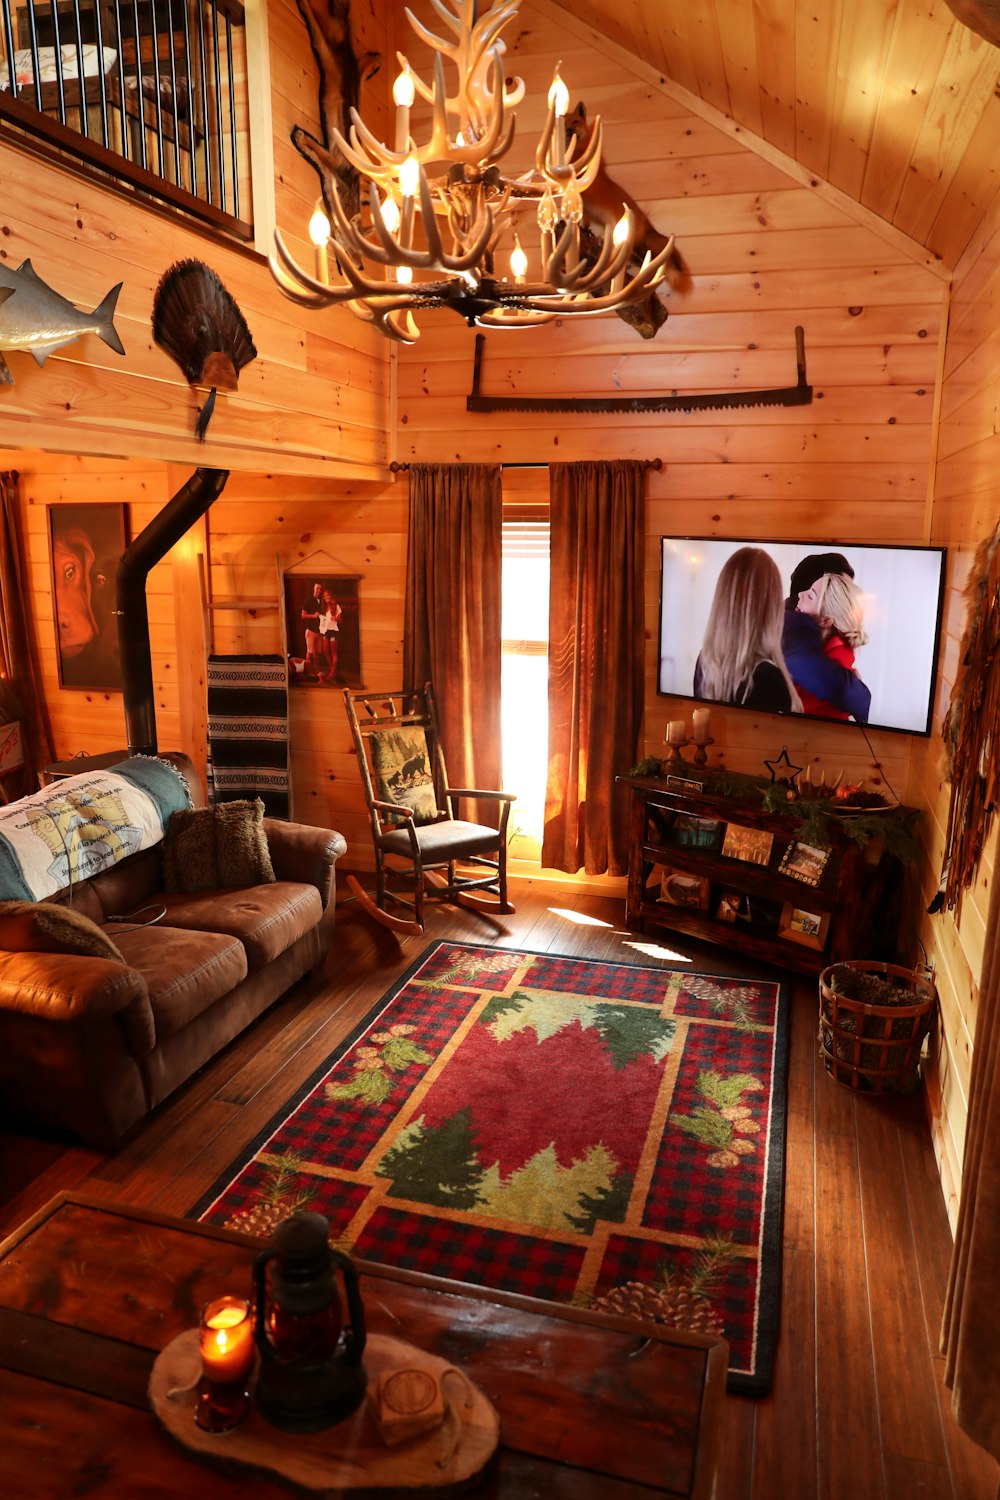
675, 761
226, 1343
701, 750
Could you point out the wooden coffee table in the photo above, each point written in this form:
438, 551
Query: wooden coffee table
591, 1407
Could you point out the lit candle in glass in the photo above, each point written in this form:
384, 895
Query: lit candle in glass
226, 1345
676, 732
700, 719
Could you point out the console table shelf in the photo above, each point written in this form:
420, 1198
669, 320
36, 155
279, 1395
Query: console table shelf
710, 867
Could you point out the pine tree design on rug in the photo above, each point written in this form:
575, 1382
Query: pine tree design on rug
723, 1122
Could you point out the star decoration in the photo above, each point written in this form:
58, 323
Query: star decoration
783, 761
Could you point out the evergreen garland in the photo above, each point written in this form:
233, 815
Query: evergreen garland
895, 826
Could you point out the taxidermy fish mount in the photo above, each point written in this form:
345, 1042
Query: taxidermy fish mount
38, 320
200, 326
329, 28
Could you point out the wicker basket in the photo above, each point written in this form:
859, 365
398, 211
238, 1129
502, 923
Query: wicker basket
874, 1048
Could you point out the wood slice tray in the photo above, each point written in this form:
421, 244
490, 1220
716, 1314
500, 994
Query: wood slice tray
352, 1457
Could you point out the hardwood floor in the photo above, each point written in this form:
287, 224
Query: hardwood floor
858, 1408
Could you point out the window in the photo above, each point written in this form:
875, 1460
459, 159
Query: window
153, 92
524, 671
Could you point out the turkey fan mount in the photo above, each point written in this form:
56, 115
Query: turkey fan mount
200, 326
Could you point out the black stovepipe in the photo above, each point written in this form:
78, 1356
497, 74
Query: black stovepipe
153, 543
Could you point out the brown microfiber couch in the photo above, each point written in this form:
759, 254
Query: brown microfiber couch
92, 1044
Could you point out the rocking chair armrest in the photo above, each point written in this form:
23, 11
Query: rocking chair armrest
393, 810
473, 791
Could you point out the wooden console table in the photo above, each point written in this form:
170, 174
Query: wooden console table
90, 1292
681, 878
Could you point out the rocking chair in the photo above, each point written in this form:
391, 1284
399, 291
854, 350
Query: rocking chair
416, 831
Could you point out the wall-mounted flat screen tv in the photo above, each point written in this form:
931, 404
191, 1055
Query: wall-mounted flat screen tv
829, 630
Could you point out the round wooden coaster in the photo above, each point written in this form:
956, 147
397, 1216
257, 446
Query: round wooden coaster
354, 1455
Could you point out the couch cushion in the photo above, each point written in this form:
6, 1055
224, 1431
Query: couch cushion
266, 919
185, 971
217, 846
46, 927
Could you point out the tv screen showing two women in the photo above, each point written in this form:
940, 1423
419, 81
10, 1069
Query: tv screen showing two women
832, 632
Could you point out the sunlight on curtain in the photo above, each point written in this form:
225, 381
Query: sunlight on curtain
524, 678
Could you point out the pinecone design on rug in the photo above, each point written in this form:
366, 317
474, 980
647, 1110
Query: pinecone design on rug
277, 1198
681, 1299
723, 1122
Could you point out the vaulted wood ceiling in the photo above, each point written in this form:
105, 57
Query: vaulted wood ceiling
894, 102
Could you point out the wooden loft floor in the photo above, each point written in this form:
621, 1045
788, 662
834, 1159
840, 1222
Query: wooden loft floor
858, 1410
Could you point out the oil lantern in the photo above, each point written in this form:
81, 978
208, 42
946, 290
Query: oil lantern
311, 1374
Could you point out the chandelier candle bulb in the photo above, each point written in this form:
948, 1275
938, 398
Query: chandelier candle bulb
403, 92
319, 234
701, 719
559, 104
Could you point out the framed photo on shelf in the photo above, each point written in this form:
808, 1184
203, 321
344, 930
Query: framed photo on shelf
752, 845
804, 862
806, 927
729, 907
681, 888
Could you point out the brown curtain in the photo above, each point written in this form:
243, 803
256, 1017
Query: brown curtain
596, 632
451, 632
20, 695
970, 1335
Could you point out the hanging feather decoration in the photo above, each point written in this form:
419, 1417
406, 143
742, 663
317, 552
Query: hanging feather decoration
200, 326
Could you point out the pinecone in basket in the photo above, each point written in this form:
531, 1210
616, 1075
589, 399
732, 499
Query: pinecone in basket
676, 1305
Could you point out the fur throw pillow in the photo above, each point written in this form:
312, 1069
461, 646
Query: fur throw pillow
207, 848
47, 927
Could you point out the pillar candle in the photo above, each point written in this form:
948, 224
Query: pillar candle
700, 719
676, 732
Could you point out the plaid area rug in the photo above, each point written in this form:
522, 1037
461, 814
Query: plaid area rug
579, 1131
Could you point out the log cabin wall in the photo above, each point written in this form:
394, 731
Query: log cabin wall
965, 512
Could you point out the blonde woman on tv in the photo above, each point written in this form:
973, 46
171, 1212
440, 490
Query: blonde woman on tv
741, 660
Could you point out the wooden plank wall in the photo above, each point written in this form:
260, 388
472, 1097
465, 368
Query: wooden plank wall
316, 399
965, 512
767, 250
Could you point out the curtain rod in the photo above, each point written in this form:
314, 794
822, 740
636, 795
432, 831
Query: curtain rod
648, 463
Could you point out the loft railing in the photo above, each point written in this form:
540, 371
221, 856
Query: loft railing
153, 92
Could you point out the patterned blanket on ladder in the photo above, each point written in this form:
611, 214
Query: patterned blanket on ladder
248, 731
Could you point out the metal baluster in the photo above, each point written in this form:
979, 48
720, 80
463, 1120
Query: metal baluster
79, 68
217, 70
140, 97
157, 102
102, 87
58, 64
9, 43
209, 195
190, 89
122, 92
232, 119
173, 91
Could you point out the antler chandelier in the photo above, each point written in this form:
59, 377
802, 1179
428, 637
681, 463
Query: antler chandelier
440, 215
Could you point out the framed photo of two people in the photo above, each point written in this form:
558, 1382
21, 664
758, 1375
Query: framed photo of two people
322, 622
